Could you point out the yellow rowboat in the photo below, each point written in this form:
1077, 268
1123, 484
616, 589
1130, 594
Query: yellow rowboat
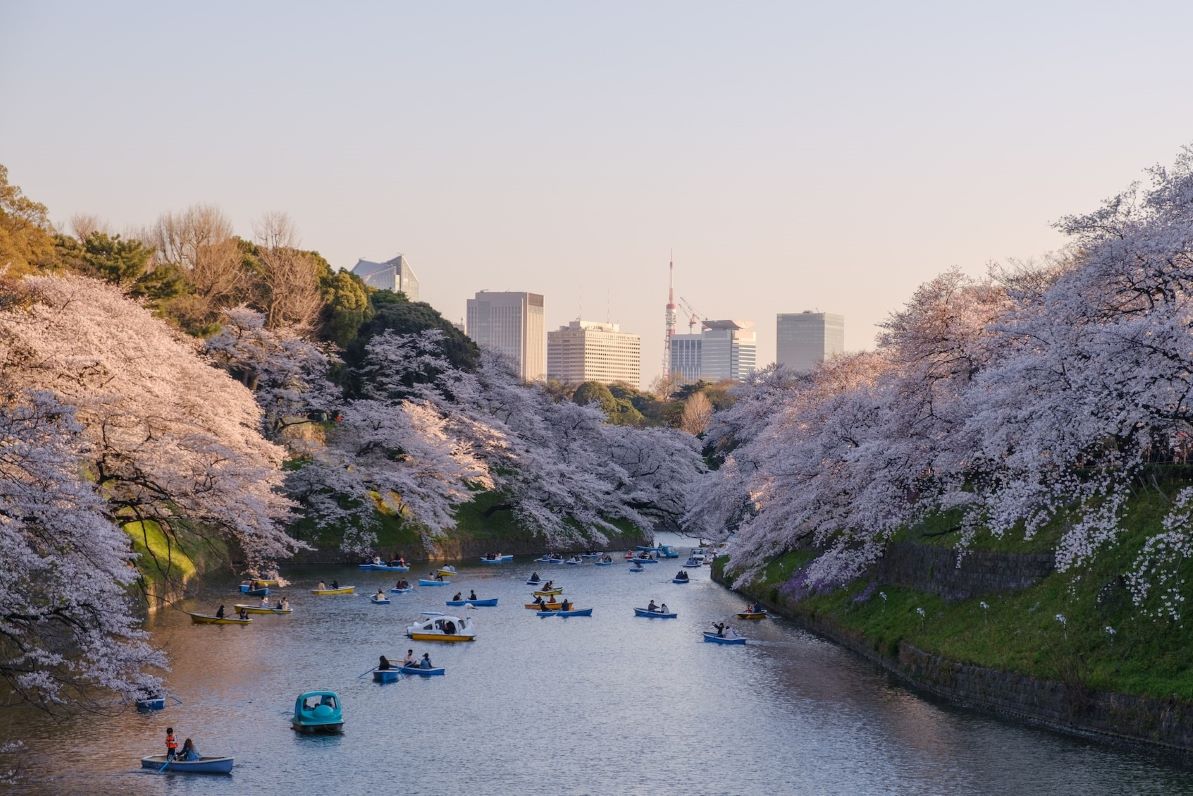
256, 609
548, 593
544, 606
204, 619
341, 590
753, 615
447, 572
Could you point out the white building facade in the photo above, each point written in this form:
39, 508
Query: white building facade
395, 274
590, 351
512, 324
722, 350
805, 339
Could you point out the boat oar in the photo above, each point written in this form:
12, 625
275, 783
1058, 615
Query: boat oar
163, 768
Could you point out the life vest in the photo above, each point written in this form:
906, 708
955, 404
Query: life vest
171, 742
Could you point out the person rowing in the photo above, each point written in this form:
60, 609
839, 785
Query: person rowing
720, 628
244, 614
565, 605
472, 594
321, 587
534, 577
380, 595
409, 659
219, 614
652, 607
335, 584
459, 596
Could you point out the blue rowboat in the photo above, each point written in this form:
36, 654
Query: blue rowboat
498, 559
400, 591
426, 582
488, 602
646, 548
572, 612
421, 671
384, 568
318, 711
261, 592
646, 560
602, 563
681, 580
204, 765
382, 601
654, 614
386, 675
637, 569
715, 639
152, 703
538, 582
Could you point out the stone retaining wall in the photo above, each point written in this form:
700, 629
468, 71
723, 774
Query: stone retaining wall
933, 569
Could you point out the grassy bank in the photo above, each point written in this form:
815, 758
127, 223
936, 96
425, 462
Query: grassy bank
165, 566
1103, 643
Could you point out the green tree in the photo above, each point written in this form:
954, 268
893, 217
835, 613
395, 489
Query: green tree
346, 307
25, 238
593, 392
617, 408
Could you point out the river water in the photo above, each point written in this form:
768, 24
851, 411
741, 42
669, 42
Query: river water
610, 704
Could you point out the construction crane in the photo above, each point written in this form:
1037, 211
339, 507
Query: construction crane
694, 317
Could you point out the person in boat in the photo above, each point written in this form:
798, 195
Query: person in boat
219, 614
534, 576
265, 602
565, 605
425, 663
376, 559
459, 596
652, 607
720, 628
380, 595
335, 584
384, 665
280, 606
189, 750
244, 614
472, 594
449, 628
538, 600
322, 586
438, 576
171, 744
409, 659
663, 609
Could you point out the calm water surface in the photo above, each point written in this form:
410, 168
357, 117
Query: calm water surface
611, 704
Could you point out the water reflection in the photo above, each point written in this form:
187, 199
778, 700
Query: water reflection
611, 704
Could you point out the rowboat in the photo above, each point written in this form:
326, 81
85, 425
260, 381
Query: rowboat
488, 602
602, 563
152, 703
424, 672
204, 765
715, 639
637, 568
639, 560
497, 559
386, 675
544, 606
431, 582
693, 563
550, 559
257, 609
538, 582
549, 592
680, 580
654, 614
390, 568
436, 629
448, 571
341, 590
261, 591
753, 615
204, 619
400, 591
646, 548
318, 711
379, 601
571, 612
574, 560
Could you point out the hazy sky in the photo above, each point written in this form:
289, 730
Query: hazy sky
794, 156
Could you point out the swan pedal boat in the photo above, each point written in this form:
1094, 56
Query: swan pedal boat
341, 590
204, 765
498, 559
256, 609
430, 582
667, 551
487, 602
570, 612
544, 606
753, 615
435, 670
318, 711
400, 591
204, 619
382, 601
549, 592
655, 614
432, 629
715, 639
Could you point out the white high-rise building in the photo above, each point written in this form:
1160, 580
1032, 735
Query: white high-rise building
590, 351
395, 275
805, 339
513, 324
722, 350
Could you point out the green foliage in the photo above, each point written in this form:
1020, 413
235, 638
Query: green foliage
346, 307
394, 312
1019, 631
25, 239
619, 409
593, 392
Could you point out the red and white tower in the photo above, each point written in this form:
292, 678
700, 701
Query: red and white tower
670, 328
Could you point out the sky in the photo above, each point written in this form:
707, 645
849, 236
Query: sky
791, 156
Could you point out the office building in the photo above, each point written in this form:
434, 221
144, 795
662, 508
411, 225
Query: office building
512, 324
805, 339
722, 350
590, 351
395, 275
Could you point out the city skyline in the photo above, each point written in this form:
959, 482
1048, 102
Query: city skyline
591, 171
